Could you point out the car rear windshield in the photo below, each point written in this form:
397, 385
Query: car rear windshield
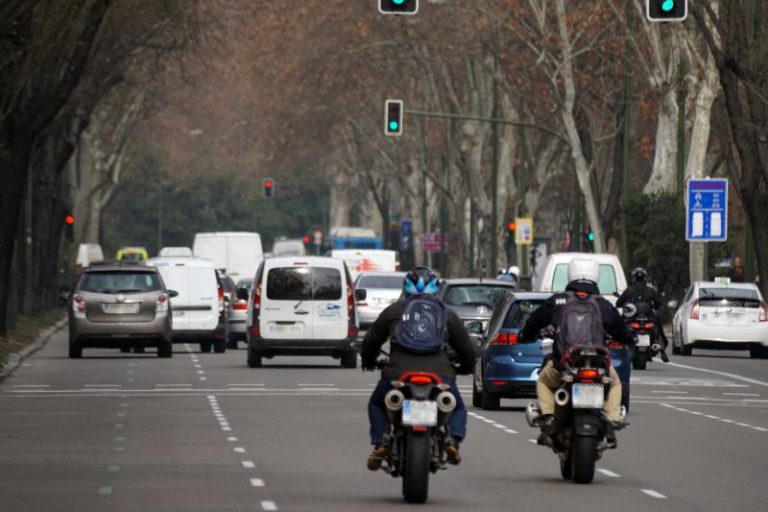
519, 312
606, 283
729, 297
385, 282
475, 295
304, 283
120, 282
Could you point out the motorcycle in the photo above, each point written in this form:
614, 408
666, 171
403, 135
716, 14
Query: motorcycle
641, 321
419, 407
579, 428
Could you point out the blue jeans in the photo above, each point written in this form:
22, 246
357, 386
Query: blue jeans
377, 413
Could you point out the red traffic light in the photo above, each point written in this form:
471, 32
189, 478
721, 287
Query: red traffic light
69, 219
268, 184
305, 239
512, 226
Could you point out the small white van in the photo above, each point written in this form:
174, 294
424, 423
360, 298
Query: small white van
612, 281
237, 253
197, 312
367, 260
89, 253
302, 306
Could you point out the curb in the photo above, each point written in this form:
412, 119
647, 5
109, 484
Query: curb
15, 359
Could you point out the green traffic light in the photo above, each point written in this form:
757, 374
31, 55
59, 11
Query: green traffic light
667, 6
393, 125
591, 236
398, 2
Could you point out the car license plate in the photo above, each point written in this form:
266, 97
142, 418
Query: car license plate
587, 396
420, 413
121, 309
643, 340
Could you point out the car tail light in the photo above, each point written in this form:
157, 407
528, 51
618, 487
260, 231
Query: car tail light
695, 311
763, 312
350, 302
634, 325
240, 305
588, 373
352, 331
255, 330
162, 303
505, 338
78, 304
221, 300
649, 325
257, 300
499, 382
615, 344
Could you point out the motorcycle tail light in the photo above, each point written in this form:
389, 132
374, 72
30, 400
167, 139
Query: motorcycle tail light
615, 344
763, 312
588, 373
695, 311
421, 380
649, 326
634, 325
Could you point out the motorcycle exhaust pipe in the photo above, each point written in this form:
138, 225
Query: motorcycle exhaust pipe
656, 347
562, 397
446, 402
532, 414
394, 400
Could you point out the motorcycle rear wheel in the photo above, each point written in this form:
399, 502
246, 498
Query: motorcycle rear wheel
583, 455
640, 361
416, 471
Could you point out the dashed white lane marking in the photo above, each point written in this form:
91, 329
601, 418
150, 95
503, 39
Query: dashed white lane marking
239, 449
533, 441
257, 482
248, 464
320, 385
201, 372
226, 429
654, 494
510, 431
268, 505
673, 392
103, 386
608, 472
198, 366
724, 374
713, 417
31, 385
247, 384
741, 394
173, 385
232, 439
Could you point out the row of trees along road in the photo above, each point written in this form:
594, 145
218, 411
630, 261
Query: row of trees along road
608, 107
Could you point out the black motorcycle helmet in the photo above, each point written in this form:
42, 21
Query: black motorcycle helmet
420, 280
638, 275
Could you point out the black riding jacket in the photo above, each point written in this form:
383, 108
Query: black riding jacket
640, 293
401, 361
613, 324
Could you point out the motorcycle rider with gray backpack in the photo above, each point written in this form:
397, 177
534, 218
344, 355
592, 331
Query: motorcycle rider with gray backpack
418, 327
582, 317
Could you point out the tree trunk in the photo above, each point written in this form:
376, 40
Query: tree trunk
663, 173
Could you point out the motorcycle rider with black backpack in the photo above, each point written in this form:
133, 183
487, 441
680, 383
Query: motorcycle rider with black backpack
418, 326
579, 308
648, 301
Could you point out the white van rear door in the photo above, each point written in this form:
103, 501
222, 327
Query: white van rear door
176, 278
329, 304
203, 311
286, 304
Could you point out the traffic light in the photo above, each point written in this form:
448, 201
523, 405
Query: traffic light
398, 6
305, 239
393, 117
666, 10
588, 240
69, 223
269, 188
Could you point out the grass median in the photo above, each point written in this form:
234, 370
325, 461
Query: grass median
26, 331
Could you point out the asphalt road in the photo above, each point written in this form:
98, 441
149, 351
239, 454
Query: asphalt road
204, 432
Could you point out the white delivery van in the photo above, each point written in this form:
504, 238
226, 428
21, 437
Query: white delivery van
89, 253
368, 260
197, 312
612, 281
288, 248
237, 253
184, 252
302, 306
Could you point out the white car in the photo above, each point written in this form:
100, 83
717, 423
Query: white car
721, 315
375, 291
302, 306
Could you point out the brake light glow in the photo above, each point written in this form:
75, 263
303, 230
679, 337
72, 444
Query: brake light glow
505, 338
352, 331
78, 304
763, 312
634, 325
649, 326
588, 373
162, 303
240, 305
255, 330
615, 344
421, 380
695, 311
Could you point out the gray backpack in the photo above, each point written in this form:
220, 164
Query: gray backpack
580, 322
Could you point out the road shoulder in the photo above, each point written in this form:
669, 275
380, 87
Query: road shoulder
29, 347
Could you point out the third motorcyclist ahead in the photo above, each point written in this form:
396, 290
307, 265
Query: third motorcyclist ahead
639, 293
409, 351
561, 310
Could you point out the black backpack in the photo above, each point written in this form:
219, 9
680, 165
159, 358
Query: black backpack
580, 322
422, 327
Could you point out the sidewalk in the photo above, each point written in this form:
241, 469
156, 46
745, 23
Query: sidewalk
29, 337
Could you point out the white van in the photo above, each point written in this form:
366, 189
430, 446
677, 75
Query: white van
89, 253
237, 253
612, 281
198, 310
288, 248
367, 260
302, 306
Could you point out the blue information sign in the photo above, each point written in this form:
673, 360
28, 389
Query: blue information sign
707, 211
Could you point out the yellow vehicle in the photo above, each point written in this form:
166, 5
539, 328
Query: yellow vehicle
132, 254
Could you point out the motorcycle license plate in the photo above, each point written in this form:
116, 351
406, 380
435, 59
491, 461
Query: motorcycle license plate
420, 413
643, 340
587, 396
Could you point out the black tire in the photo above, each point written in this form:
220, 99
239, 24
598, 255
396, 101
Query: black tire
125, 350
477, 399
254, 358
686, 350
416, 471
75, 350
583, 457
219, 346
205, 346
490, 401
232, 344
165, 350
139, 349
675, 349
640, 361
566, 471
349, 360
758, 352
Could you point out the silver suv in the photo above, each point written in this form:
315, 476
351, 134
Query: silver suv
120, 306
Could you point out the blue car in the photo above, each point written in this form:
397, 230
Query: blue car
508, 368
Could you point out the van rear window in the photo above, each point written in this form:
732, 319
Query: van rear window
304, 283
606, 282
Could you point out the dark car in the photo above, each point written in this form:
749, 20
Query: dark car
506, 367
474, 301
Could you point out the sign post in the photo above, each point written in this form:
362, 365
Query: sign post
706, 218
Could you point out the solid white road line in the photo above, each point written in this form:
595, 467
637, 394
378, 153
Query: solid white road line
741, 394
31, 385
257, 482
608, 472
724, 374
655, 494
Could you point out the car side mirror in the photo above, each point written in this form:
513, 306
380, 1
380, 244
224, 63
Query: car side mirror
173, 293
361, 294
242, 293
673, 304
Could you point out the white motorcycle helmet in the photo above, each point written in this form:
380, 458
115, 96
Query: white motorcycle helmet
583, 270
514, 270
